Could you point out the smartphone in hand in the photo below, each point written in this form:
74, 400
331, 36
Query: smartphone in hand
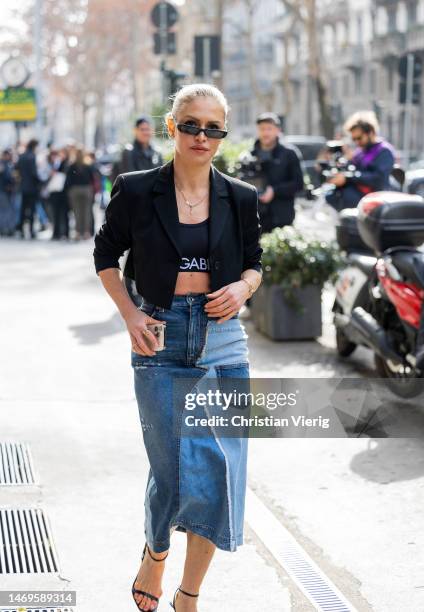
158, 330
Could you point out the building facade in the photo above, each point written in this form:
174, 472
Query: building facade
361, 43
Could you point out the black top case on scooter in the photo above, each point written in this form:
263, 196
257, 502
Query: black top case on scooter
389, 219
347, 233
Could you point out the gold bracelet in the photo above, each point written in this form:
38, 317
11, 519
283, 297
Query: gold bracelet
251, 288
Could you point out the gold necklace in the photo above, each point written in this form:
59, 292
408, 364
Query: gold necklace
187, 202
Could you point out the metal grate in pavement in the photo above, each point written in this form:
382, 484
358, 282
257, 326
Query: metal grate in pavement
321, 592
26, 543
16, 467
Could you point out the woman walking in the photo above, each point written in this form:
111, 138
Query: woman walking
57, 195
195, 258
79, 185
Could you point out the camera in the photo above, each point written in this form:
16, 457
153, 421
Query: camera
334, 161
249, 169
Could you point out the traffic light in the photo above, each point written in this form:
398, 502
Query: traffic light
166, 43
164, 16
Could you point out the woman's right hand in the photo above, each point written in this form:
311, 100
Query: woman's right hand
142, 339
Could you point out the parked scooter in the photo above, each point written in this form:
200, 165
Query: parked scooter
379, 295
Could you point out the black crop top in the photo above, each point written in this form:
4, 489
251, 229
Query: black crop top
194, 241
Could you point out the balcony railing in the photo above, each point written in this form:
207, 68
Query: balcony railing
351, 56
415, 38
390, 45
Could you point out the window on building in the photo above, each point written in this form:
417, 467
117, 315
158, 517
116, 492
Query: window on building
392, 19
297, 91
358, 81
412, 10
390, 77
248, 113
359, 28
373, 80
373, 22
240, 114
390, 127
346, 84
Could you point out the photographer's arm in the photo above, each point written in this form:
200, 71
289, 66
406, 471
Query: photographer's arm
376, 174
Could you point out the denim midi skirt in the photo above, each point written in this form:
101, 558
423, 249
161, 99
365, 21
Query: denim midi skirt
195, 483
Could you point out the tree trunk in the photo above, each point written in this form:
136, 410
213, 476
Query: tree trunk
265, 101
219, 7
100, 136
84, 110
315, 70
134, 57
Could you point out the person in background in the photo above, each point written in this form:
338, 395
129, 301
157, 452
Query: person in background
374, 159
79, 185
282, 172
30, 184
7, 184
97, 184
140, 155
57, 194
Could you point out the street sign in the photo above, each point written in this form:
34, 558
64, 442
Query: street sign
164, 14
18, 104
207, 55
166, 44
403, 66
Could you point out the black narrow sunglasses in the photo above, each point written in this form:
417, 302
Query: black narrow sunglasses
193, 130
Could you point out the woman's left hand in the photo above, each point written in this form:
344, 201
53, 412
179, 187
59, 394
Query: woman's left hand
228, 300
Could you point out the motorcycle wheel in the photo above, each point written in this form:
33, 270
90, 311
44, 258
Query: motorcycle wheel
344, 346
405, 385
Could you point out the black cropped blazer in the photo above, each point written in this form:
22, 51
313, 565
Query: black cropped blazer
142, 216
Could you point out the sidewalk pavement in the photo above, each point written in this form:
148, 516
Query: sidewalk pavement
67, 389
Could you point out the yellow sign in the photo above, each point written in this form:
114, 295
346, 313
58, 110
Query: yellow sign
18, 104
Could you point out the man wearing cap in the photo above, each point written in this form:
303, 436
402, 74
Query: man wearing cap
140, 155
282, 173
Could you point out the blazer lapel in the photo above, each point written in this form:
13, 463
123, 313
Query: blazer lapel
165, 203
219, 207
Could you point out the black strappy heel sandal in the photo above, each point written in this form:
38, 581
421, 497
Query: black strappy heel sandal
145, 593
185, 593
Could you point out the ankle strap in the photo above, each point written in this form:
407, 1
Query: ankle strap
163, 558
189, 594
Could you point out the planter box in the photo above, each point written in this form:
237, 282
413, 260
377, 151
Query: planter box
275, 318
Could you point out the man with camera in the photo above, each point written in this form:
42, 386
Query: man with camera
373, 163
281, 171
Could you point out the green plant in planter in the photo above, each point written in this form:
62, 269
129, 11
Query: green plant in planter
293, 261
228, 155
